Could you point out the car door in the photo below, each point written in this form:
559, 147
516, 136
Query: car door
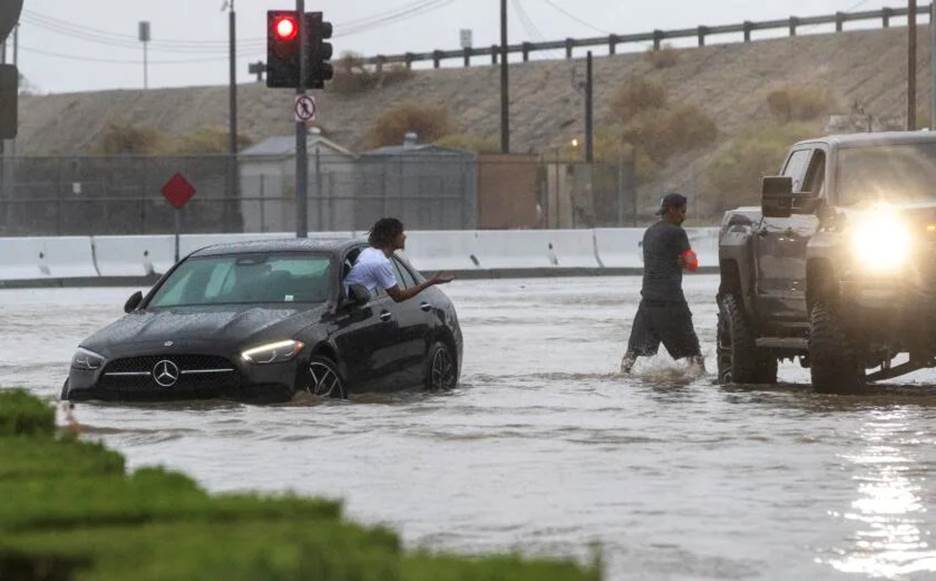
413, 319
367, 337
781, 242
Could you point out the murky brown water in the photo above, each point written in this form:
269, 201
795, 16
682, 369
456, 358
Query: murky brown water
544, 448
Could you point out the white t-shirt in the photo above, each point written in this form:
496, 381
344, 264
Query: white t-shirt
373, 270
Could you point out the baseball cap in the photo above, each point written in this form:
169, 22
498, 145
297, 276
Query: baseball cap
671, 200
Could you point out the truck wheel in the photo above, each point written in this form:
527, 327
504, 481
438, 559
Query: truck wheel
833, 362
739, 359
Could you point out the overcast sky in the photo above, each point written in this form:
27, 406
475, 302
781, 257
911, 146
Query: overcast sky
82, 45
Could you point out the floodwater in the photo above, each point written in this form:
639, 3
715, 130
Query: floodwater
546, 449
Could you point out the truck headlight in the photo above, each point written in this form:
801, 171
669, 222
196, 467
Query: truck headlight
881, 242
86, 360
278, 352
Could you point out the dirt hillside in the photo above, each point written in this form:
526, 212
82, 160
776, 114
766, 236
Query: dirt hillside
729, 82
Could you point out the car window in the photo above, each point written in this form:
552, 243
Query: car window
796, 168
404, 277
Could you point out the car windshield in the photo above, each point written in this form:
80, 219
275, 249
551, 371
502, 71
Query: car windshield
895, 174
247, 279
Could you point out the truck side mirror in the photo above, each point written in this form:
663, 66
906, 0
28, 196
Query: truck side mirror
133, 302
777, 199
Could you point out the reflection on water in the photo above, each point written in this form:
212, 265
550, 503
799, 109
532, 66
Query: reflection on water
892, 539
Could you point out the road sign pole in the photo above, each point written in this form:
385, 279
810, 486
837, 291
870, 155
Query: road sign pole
178, 230
302, 159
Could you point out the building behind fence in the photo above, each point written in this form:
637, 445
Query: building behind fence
429, 188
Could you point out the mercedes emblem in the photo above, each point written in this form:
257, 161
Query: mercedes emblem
168, 344
166, 373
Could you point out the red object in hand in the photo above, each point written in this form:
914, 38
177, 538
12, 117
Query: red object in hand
690, 260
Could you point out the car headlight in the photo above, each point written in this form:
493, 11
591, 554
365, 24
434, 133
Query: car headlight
881, 242
86, 360
278, 352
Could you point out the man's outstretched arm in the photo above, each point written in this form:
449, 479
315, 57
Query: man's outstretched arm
399, 295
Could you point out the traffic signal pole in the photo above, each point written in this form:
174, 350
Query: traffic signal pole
505, 83
233, 171
302, 159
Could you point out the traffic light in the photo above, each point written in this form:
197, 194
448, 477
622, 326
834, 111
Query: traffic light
9, 90
319, 51
283, 41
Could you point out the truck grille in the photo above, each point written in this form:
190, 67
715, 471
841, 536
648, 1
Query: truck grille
195, 373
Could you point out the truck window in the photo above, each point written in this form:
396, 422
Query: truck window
815, 175
796, 168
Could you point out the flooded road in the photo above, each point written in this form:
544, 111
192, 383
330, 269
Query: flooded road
545, 448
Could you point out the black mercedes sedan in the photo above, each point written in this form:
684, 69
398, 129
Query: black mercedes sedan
261, 321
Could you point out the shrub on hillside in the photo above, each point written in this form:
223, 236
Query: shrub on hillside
800, 103
430, 123
208, 140
354, 77
664, 58
663, 133
473, 143
636, 97
126, 139
734, 176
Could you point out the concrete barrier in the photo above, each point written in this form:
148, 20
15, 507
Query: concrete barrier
574, 248
432, 251
515, 249
46, 258
620, 247
118, 256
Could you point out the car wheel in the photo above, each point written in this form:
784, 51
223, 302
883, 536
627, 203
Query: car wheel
739, 359
833, 362
64, 395
323, 378
441, 369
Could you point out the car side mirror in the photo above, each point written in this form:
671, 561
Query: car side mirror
777, 199
133, 302
358, 295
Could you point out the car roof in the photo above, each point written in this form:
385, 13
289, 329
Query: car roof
854, 140
329, 245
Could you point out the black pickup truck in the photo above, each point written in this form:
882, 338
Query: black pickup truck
837, 267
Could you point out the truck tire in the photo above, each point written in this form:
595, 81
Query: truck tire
739, 359
833, 363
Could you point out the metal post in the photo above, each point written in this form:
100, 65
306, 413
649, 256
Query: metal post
589, 111
302, 159
145, 36
933, 64
233, 178
318, 186
505, 83
178, 230
911, 66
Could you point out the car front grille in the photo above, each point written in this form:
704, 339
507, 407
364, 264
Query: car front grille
195, 373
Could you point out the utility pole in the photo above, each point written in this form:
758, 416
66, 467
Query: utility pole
911, 66
233, 177
933, 65
302, 158
145, 38
589, 113
505, 82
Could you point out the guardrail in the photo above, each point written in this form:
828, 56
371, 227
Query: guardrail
793, 23
115, 260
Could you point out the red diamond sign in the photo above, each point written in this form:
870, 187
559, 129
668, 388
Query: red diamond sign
178, 191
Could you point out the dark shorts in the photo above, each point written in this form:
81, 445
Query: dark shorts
664, 322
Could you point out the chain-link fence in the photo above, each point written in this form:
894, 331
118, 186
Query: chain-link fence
41, 196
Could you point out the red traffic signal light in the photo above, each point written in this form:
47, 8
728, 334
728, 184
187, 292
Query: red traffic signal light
285, 28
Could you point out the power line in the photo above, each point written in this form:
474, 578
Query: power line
576, 18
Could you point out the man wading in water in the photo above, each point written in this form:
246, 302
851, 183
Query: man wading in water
663, 315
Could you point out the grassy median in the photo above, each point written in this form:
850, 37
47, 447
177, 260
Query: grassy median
70, 511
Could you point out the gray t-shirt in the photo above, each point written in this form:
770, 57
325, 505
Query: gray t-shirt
663, 243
